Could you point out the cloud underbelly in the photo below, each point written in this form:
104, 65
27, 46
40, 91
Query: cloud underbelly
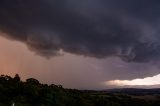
95, 28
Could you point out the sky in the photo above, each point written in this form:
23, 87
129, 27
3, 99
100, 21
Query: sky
82, 44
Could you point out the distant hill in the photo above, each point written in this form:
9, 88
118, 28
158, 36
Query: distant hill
135, 91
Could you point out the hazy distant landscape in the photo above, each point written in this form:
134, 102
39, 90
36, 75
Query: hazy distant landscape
33, 93
101, 52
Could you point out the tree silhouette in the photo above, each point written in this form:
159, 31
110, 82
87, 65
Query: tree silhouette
33, 93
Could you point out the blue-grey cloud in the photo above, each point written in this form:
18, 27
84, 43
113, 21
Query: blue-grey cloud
95, 28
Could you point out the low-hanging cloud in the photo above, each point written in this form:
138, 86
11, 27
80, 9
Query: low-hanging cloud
95, 28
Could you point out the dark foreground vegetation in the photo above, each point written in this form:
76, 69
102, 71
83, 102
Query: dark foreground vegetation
33, 93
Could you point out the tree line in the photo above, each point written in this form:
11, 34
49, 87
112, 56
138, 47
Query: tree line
32, 93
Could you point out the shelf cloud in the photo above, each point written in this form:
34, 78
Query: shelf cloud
93, 28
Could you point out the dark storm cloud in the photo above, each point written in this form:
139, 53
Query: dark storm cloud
96, 28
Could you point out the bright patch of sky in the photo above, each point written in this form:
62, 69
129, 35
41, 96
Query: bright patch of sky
148, 81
